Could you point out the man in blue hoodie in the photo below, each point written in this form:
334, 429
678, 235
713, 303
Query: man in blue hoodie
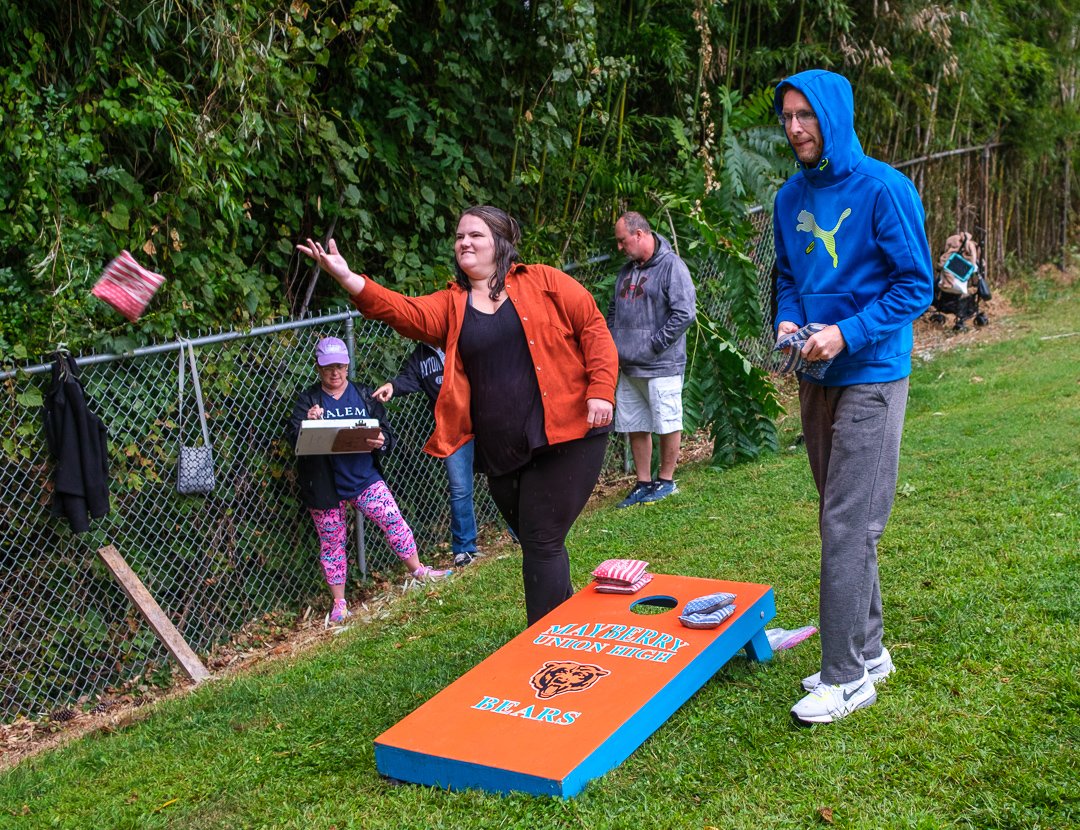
852, 256
653, 306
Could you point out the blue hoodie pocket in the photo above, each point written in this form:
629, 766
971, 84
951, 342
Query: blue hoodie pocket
828, 308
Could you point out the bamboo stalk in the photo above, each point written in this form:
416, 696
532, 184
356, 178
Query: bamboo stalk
573, 164
732, 34
592, 170
521, 102
1065, 200
798, 34
540, 187
745, 49
621, 124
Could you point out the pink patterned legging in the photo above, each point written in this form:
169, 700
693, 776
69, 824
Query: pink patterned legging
375, 503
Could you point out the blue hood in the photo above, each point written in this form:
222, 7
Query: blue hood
830, 96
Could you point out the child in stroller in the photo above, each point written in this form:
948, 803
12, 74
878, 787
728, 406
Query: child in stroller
960, 284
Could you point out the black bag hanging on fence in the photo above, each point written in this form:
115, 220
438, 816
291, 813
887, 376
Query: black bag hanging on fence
195, 468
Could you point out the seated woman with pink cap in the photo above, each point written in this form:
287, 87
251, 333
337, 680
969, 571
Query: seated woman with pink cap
328, 483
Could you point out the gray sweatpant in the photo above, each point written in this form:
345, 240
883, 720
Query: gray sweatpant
852, 436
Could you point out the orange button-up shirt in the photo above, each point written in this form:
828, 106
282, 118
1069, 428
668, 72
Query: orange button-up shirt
572, 351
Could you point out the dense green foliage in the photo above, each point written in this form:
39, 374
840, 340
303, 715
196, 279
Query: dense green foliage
208, 137
977, 729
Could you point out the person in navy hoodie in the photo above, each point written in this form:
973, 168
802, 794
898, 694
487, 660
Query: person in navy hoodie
423, 371
852, 255
329, 483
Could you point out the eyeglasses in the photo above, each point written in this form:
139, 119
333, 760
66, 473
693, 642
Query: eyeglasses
804, 117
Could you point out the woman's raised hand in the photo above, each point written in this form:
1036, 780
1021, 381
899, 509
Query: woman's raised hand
334, 264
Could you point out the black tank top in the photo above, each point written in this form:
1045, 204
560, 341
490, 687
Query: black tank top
507, 415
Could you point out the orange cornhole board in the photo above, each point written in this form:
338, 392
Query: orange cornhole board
573, 695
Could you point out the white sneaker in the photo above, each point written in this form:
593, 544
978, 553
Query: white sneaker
826, 704
879, 668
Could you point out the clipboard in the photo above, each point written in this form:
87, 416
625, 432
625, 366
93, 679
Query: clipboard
336, 437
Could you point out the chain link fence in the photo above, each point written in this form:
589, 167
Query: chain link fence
212, 562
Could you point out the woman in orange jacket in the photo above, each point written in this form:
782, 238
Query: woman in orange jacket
530, 374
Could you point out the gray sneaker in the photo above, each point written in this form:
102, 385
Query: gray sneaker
637, 494
660, 490
878, 669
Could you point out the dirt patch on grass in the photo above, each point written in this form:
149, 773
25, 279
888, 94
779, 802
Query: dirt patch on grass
936, 337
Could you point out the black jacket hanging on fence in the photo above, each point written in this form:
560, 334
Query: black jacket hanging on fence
78, 444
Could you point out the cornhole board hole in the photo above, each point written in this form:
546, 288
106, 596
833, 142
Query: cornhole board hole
573, 695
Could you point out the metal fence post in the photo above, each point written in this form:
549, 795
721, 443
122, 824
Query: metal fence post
361, 551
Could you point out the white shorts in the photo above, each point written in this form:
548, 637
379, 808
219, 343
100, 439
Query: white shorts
649, 404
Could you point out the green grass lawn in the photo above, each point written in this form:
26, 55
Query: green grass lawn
979, 728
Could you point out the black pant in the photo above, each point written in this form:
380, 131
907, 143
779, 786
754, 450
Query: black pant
540, 501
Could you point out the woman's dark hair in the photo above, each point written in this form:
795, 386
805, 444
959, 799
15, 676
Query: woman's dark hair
506, 233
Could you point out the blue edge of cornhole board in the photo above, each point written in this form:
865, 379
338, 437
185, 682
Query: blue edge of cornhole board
747, 631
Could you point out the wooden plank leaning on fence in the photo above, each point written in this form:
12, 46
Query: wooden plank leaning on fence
148, 607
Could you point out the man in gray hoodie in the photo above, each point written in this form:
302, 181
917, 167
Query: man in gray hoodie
653, 306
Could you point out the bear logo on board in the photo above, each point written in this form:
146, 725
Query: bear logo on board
557, 677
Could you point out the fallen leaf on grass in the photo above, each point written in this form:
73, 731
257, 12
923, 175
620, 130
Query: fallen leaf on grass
826, 814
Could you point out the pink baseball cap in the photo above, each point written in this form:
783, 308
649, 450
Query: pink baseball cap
331, 350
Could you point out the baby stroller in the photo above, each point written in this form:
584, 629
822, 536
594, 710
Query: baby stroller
960, 284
